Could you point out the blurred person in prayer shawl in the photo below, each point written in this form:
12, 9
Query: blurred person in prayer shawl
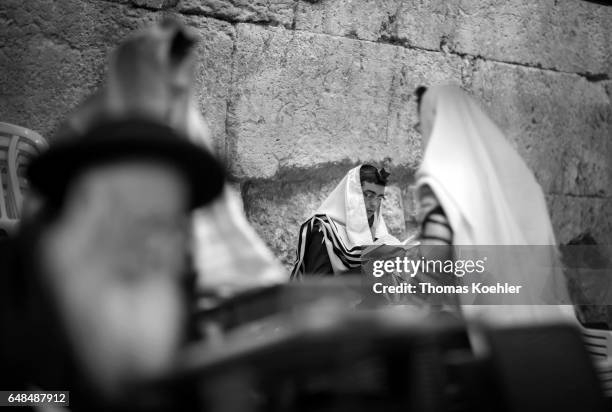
96, 289
331, 242
152, 75
107, 233
473, 188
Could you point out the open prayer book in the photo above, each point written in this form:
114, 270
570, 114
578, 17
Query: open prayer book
382, 251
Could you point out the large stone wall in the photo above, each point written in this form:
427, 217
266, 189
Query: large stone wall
297, 92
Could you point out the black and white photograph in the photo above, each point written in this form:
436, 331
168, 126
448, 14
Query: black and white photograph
306, 205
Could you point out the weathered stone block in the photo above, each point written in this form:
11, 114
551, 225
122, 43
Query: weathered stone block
155, 4
275, 12
566, 35
54, 56
300, 99
362, 19
560, 123
214, 73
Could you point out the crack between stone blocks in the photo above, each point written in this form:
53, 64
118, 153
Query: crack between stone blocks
118, 3
132, 5
584, 196
390, 95
228, 102
295, 12
221, 17
129, 4
193, 12
590, 77
320, 171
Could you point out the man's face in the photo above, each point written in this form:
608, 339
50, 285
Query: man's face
373, 195
116, 256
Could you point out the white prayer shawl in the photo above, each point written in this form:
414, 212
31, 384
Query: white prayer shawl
343, 219
490, 197
346, 207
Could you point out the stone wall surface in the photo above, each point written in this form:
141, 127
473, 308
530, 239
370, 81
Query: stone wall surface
272, 12
560, 123
298, 92
565, 35
302, 99
574, 216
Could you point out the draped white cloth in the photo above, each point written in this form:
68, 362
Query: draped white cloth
346, 207
491, 197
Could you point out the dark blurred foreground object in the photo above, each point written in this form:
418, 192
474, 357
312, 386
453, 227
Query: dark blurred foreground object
587, 268
330, 362
319, 356
602, 2
544, 368
599, 346
18, 146
94, 286
241, 308
127, 139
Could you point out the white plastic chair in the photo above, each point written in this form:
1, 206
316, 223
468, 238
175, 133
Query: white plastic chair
18, 146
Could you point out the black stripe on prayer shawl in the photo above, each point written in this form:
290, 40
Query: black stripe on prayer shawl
350, 258
303, 239
438, 220
436, 216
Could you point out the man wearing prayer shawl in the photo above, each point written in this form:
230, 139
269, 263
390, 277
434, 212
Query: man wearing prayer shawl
475, 189
331, 241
